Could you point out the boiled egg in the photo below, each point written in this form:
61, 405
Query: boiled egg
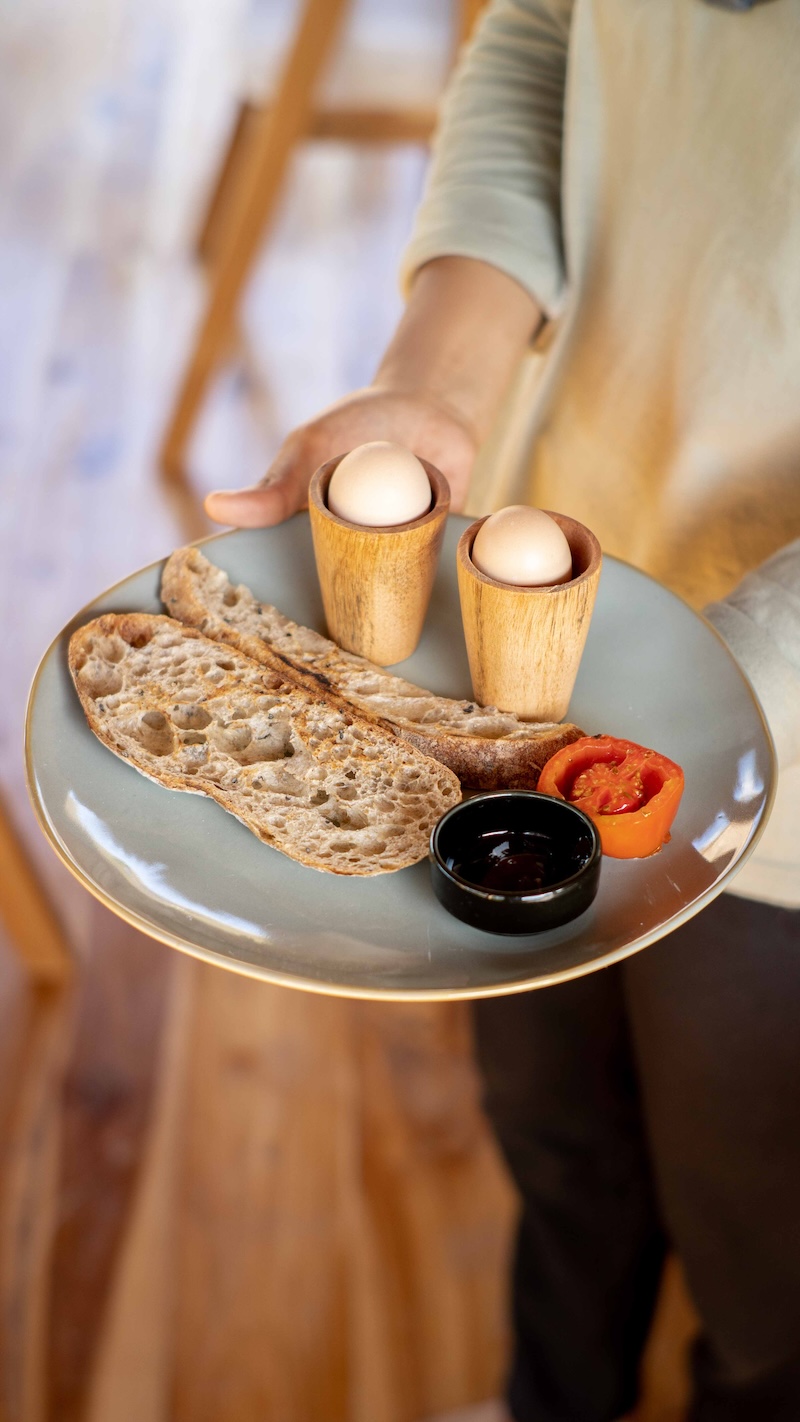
378, 485
523, 546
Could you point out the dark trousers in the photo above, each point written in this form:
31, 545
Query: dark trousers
651, 1104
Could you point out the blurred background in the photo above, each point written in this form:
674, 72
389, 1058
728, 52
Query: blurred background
219, 1201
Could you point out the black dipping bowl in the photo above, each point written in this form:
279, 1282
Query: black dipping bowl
514, 861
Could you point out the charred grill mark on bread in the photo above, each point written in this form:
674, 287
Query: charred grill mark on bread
487, 749
304, 772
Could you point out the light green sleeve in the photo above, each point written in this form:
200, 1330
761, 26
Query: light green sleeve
493, 191
760, 621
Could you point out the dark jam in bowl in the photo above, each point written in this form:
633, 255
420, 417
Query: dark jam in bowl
519, 860
514, 861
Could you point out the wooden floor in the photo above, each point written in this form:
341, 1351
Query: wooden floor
218, 1201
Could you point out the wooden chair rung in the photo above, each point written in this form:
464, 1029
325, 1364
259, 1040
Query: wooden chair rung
374, 125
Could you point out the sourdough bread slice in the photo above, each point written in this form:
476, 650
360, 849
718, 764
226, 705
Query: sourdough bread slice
486, 748
304, 772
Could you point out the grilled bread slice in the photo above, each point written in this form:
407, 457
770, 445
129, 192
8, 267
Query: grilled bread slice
303, 771
487, 749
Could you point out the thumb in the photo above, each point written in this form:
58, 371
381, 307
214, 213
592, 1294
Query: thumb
282, 491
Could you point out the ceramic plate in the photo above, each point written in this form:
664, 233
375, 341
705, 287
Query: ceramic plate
181, 869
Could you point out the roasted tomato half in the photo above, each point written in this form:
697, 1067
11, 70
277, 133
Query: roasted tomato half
630, 792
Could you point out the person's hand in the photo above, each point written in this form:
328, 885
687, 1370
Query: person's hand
437, 390
418, 421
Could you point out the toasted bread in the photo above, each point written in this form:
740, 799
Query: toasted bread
486, 748
302, 770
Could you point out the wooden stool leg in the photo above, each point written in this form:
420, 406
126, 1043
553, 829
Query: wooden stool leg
278, 129
230, 175
26, 914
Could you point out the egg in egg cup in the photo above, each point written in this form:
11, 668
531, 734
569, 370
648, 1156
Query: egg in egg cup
376, 583
525, 643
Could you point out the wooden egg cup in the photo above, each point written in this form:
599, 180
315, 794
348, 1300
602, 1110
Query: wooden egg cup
525, 644
376, 582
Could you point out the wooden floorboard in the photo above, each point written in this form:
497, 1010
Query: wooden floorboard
261, 1309
105, 1111
35, 1053
433, 1213
133, 1367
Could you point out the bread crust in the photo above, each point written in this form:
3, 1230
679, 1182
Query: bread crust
508, 753
304, 772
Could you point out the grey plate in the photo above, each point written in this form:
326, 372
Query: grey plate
181, 869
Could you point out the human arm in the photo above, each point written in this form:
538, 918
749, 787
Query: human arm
760, 621
483, 266
443, 375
